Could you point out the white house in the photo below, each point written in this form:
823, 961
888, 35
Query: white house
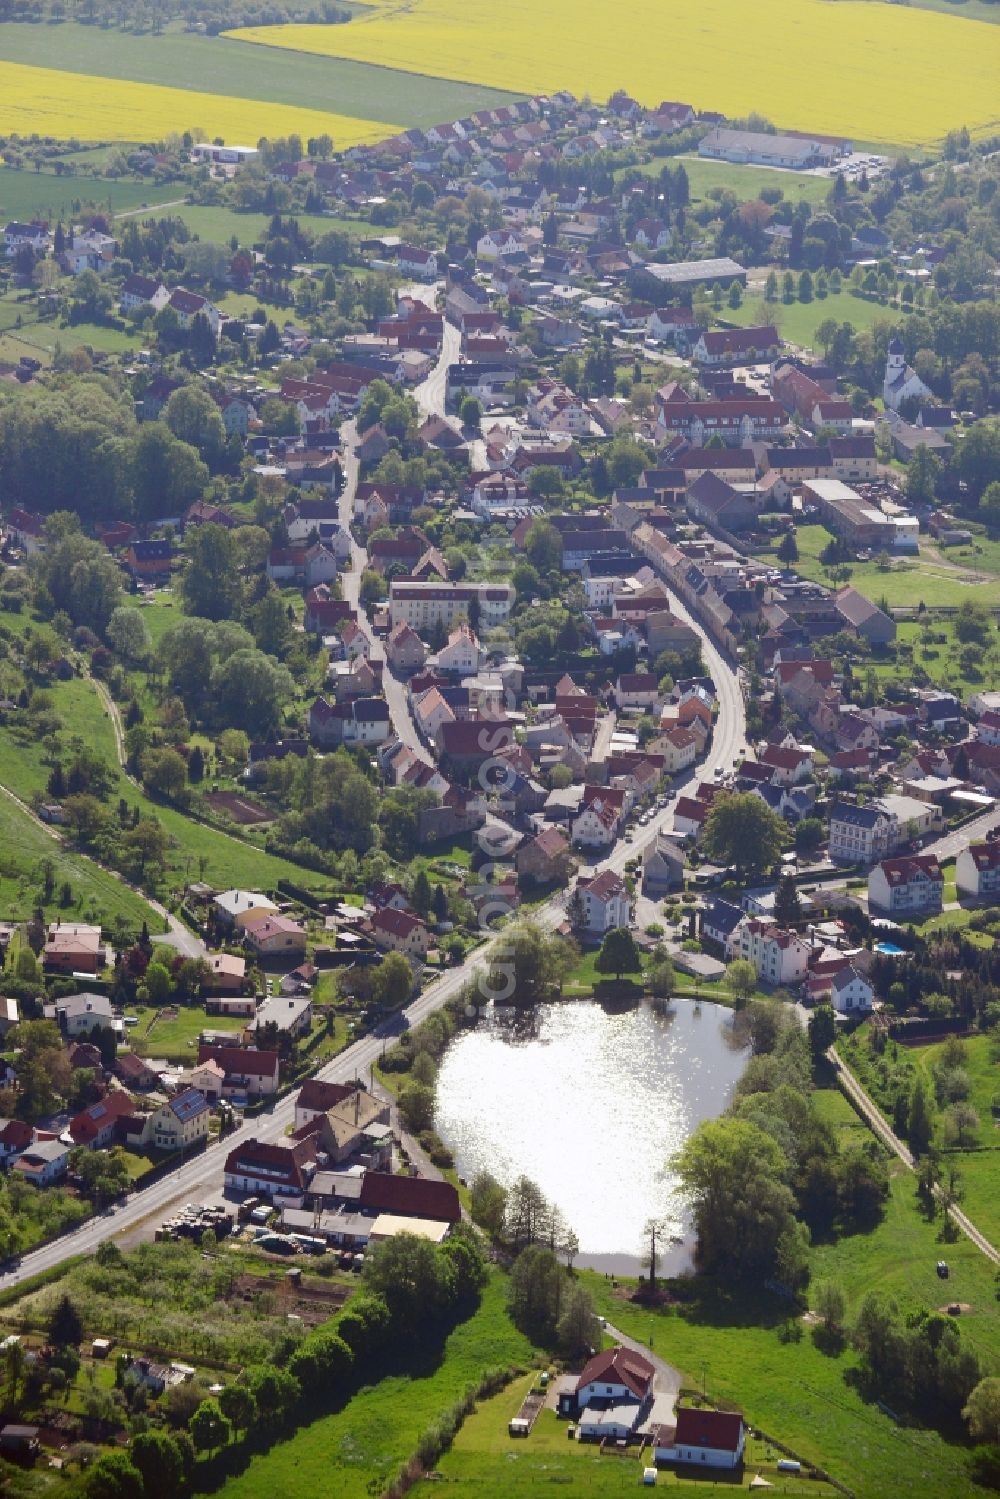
187, 305
182, 1121
858, 835
499, 244
16, 237
462, 654
977, 869
705, 1439
413, 261
605, 902
637, 689
780, 957
142, 291
850, 991
612, 1394
43, 1162
908, 885
597, 823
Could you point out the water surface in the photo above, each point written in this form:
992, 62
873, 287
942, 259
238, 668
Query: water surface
591, 1104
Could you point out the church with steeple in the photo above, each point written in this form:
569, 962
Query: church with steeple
901, 383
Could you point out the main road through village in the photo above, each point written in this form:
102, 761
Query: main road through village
202, 1174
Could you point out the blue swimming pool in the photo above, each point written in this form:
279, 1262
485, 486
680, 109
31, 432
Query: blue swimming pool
890, 950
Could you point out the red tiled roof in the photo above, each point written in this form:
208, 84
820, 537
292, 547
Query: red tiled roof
410, 1196
618, 1366
719, 1430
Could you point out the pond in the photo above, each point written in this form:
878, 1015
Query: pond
591, 1103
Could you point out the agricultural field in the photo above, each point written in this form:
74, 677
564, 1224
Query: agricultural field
216, 65
875, 72
24, 194
46, 101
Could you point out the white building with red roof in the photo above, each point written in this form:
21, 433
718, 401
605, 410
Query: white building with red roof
605, 902
398, 931
910, 885
705, 1439
977, 869
599, 820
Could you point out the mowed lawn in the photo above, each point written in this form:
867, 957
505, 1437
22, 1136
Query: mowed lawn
218, 65
908, 582
866, 71
357, 1452
66, 105
797, 321
745, 181
807, 1398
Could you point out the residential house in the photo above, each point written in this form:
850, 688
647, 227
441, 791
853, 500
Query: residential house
719, 920
142, 291
71, 947
399, 931
545, 860
858, 835
910, 885
424, 605
850, 991
703, 1438
689, 816
288, 1014
758, 345
598, 822
612, 1395
227, 973
180, 1122
977, 869
864, 617
230, 905
43, 1162
787, 766
780, 957
272, 935
636, 690
663, 865
80, 1014
187, 305
404, 649
98, 1125
679, 746
462, 654
267, 1170
604, 902
247, 1071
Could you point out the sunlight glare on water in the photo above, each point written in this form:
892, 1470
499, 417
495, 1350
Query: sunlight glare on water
590, 1104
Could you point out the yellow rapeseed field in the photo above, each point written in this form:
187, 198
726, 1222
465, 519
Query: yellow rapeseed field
873, 71
42, 101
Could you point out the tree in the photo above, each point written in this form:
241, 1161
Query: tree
527, 1212
741, 978
165, 474
809, 834
164, 773
249, 691
393, 981
822, 1031
653, 1230
194, 418
420, 895
577, 1330
127, 634
488, 1203
660, 978
543, 547
532, 967
537, 1283
741, 830
157, 1457
618, 953
922, 474
209, 1428
788, 550
113, 1476
982, 1410
831, 1305
416, 1106
787, 905
919, 1119
65, 1324
210, 586
732, 1174
408, 1275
